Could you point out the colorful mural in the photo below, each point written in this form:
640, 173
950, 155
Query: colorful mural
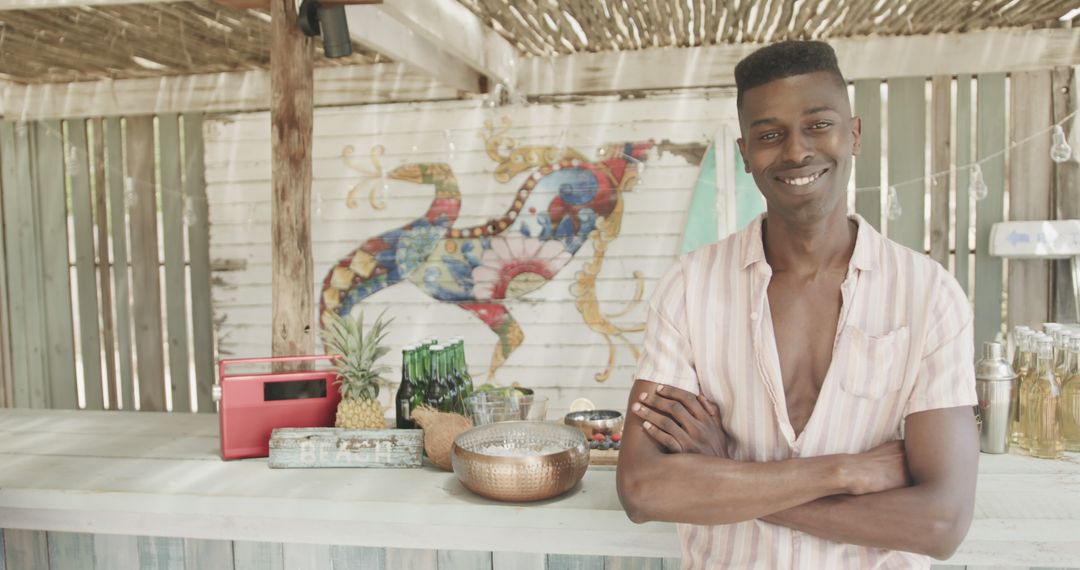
566, 201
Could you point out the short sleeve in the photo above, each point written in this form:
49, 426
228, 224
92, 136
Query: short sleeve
946, 375
666, 356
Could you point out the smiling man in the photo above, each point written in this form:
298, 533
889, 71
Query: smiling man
803, 398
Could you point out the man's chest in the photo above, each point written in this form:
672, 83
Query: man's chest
805, 374
803, 314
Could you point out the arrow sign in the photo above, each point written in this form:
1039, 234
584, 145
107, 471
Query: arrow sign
1017, 237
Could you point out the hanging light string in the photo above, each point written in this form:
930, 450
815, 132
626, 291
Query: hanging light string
977, 164
1060, 151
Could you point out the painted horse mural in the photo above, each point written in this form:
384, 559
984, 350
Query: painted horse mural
566, 201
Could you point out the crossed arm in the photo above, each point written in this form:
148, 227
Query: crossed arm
916, 495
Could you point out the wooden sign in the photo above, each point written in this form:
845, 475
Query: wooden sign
292, 448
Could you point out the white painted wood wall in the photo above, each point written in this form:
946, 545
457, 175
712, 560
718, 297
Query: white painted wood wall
560, 354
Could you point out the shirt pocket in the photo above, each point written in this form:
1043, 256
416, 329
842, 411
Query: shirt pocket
875, 363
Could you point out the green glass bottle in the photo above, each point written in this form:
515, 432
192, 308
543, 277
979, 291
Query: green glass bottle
406, 390
453, 394
436, 396
421, 371
463, 365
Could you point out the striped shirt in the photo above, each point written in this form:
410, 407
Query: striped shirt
903, 345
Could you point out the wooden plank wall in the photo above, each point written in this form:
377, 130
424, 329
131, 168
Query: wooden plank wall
118, 210
1066, 198
63, 551
6, 379
102, 183
23, 254
78, 169
868, 163
990, 144
50, 192
907, 159
961, 229
1031, 183
560, 354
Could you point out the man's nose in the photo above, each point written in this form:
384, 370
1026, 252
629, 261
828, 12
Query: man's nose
797, 149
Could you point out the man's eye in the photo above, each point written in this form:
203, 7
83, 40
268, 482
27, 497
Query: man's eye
821, 125
770, 136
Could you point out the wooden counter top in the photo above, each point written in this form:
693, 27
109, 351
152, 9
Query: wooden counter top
159, 474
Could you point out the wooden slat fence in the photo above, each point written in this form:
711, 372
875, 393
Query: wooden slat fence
105, 271
1003, 124
105, 274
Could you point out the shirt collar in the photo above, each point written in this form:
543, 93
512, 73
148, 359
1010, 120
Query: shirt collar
863, 258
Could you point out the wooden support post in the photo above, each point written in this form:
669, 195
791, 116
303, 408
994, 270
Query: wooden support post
940, 158
1030, 182
145, 264
291, 85
1066, 201
101, 212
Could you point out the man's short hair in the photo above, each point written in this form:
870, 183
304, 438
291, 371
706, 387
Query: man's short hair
784, 59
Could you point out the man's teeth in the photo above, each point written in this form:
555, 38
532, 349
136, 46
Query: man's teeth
803, 181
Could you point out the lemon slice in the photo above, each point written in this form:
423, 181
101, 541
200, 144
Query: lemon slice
582, 405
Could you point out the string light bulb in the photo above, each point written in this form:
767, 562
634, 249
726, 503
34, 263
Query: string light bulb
894, 209
71, 161
977, 188
131, 198
1060, 151
190, 217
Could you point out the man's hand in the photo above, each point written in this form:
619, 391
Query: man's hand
682, 422
883, 468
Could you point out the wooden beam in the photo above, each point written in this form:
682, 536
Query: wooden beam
213, 92
40, 4
291, 119
241, 4
992, 51
451, 26
370, 27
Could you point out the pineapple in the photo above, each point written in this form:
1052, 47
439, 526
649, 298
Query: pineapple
359, 377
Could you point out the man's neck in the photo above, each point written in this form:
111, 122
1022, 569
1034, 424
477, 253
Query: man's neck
808, 247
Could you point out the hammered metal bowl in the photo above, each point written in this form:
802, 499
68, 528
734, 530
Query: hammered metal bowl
592, 422
520, 461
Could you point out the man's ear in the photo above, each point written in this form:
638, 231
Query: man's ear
742, 152
856, 134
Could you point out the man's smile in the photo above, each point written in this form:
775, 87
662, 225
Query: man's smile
800, 179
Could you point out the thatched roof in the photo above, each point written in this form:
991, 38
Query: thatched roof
91, 40
57, 45
550, 27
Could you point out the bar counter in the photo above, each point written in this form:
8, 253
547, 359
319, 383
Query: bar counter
157, 479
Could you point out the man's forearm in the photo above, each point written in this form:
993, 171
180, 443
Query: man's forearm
914, 519
707, 490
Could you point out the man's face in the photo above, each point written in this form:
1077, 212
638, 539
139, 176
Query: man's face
798, 139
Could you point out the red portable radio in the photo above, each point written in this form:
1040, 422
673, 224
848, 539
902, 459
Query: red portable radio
252, 405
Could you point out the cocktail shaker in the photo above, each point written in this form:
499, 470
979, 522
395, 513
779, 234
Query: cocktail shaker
996, 388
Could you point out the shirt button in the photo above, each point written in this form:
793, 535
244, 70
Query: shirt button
754, 316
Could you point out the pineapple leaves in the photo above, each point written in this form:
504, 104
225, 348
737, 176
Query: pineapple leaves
359, 375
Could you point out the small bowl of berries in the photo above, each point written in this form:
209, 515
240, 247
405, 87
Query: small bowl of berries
603, 428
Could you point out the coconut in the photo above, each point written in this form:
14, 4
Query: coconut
440, 429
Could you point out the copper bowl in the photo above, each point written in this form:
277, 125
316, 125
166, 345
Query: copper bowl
521, 460
592, 422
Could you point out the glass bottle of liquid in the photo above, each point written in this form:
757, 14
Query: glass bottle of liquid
436, 391
463, 368
1022, 364
403, 400
1070, 400
1044, 395
450, 386
1061, 338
